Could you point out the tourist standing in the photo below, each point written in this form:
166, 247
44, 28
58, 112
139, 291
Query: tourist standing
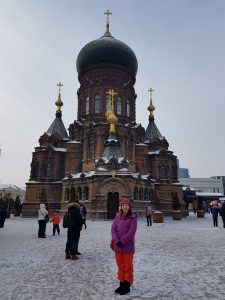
3, 216
214, 212
148, 213
42, 214
73, 232
222, 213
84, 214
123, 235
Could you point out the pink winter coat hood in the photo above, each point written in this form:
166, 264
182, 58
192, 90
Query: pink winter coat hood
124, 230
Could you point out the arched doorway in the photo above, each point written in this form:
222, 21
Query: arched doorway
112, 204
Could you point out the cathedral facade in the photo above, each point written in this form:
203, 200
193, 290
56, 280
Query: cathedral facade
105, 154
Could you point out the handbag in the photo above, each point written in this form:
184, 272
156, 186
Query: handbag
112, 245
46, 219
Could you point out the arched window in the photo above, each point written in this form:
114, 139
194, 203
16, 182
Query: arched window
48, 170
67, 195
151, 194
86, 193
107, 103
163, 171
87, 106
141, 193
97, 104
119, 106
91, 148
128, 107
34, 170
146, 197
73, 195
79, 193
135, 193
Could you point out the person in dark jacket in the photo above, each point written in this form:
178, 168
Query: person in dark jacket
73, 233
84, 214
3, 215
215, 212
222, 213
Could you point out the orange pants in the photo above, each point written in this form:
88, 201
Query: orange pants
125, 266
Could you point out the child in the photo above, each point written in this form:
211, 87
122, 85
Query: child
56, 220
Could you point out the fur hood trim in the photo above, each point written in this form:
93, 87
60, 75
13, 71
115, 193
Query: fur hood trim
74, 204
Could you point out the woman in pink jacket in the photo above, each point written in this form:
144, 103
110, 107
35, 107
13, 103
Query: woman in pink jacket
123, 232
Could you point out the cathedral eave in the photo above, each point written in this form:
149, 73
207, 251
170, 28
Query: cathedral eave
153, 152
59, 149
135, 126
45, 182
74, 142
141, 145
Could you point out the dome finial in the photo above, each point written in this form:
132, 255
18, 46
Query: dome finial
59, 102
151, 107
111, 118
107, 13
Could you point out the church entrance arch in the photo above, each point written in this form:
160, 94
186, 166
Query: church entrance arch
112, 204
112, 190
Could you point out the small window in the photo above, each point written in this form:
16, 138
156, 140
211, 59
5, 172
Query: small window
79, 193
107, 103
97, 104
128, 107
87, 106
119, 106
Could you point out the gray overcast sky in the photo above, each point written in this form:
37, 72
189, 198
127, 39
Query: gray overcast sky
180, 47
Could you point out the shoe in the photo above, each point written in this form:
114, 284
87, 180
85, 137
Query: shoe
74, 257
119, 288
125, 288
67, 256
78, 253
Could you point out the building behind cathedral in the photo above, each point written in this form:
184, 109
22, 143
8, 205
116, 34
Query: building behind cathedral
105, 154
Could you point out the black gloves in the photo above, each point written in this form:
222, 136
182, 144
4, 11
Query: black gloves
119, 244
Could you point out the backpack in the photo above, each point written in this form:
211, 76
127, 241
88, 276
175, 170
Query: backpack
68, 220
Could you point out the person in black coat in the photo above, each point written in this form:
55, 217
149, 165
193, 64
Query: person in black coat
3, 215
73, 233
222, 213
84, 214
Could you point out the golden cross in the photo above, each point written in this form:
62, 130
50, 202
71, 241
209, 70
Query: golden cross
108, 13
151, 107
151, 91
111, 94
59, 85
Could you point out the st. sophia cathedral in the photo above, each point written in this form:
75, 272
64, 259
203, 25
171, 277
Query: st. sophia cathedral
105, 155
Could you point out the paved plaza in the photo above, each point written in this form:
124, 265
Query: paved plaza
174, 260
